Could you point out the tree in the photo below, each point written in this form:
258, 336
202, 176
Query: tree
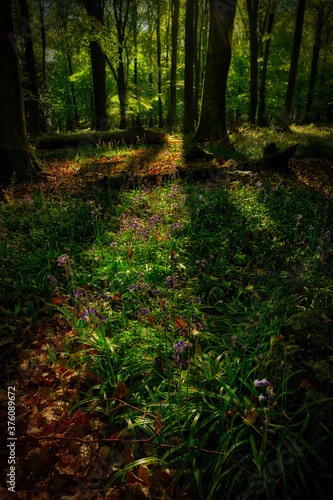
322, 16
121, 13
212, 118
30, 65
43, 36
173, 73
252, 8
285, 118
15, 155
95, 10
189, 59
135, 30
262, 120
159, 67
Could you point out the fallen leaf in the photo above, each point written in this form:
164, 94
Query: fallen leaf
121, 391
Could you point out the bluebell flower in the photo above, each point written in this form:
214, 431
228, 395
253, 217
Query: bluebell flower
52, 279
77, 293
261, 383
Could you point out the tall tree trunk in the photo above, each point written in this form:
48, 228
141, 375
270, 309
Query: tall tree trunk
159, 68
15, 155
252, 8
189, 58
315, 58
121, 14
262, 119
173, 74
44, 104
95, 9
135, 23
196, 62
75, 121
324, 110
42, 32
33, 100
121, 88
151, 112
212, 124
285, 118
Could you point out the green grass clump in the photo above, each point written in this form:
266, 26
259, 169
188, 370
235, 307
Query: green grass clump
313, 142
176, 294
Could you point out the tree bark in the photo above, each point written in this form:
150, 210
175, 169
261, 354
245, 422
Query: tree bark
262, 119
33, 88
135, 24
212, 124
196, 44
42, 32
95, 10
159, 68
15, 155
252, 8
121, 19
285, 118
189, 59
75, 120
315, 57
173, 73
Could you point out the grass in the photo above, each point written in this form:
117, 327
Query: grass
175, 295
314, 142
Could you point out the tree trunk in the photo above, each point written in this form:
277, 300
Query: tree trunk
121, 89
137, 118
95, 10
262, 119
159, 68
15, 155
324, 111
33, 100
189, 58
121, 13
285, 118
173, 74
151, 112
315, 58
196, 45
212, 124
42, 32
252, 8
75, 121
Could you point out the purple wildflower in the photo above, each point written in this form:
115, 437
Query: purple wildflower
52, 279
77, 293
179, 347
261, 383
63, 260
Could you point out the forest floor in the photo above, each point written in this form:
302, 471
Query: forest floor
63, 449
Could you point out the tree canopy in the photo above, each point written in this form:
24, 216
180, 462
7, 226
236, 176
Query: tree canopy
110, 64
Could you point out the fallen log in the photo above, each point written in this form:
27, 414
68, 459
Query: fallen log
132, 135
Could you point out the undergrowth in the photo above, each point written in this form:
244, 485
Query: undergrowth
173, 296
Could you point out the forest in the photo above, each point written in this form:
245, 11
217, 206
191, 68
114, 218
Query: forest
166, 258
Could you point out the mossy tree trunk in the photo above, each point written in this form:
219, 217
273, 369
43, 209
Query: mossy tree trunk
15, 154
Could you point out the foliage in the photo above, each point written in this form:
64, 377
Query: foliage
68, 34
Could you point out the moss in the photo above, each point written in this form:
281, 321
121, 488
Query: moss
281, 360
310, 319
